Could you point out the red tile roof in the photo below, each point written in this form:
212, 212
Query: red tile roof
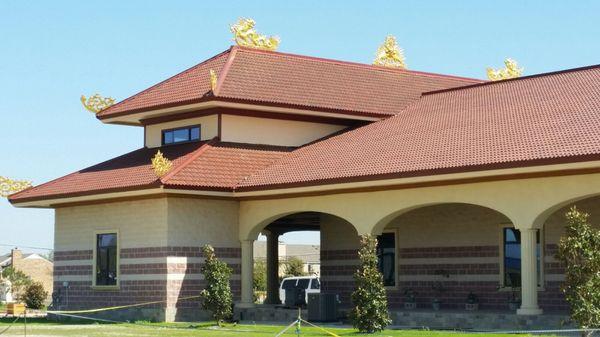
533, 120
207, 165
538, 119
223, 165
274, 78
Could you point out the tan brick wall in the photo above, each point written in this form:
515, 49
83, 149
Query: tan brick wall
39, 269
141, 223
160, 256
195, 222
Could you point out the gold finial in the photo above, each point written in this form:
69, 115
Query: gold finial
389, 54
213, 80
511, 70
245, 36
9, 186
96, 103
160, 164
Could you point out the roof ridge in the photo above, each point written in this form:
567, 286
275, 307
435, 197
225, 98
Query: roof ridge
194, 155
550, 73
358, 64
225, 70
101, 113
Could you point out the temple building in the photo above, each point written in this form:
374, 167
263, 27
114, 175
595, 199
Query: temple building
465, 183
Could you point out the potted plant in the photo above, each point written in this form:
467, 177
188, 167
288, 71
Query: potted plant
410, 301
514, 302
472, 303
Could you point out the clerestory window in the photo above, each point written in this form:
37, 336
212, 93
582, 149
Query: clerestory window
181, 135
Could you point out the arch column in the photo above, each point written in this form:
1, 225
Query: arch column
272, 267
247, 298
529, 281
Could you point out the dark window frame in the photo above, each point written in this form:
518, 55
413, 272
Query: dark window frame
394, 271
189, 136
111, 255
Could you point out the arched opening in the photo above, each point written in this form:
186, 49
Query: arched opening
333, 237
553, 223
440, 254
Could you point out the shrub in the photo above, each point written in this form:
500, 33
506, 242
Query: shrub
35, 295
217, 294
19, 282
579, 252
370, 300
260, 276
294, 267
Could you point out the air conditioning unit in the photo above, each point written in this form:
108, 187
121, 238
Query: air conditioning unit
322, 307
294, 297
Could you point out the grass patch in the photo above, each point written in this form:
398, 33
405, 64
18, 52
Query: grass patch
43, 327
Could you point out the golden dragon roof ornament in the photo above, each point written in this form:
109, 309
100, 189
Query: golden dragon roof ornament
511, 70
389, 54
96, 103
213, 80
161, 165
245, 35
10, 186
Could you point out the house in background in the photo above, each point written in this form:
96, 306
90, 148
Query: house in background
310, 255
37, 267
464, 182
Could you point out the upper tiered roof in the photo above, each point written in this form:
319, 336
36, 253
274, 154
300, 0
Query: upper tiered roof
286, 80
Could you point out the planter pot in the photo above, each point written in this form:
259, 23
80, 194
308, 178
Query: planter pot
436, 305
471, 306
410, 305
514, 305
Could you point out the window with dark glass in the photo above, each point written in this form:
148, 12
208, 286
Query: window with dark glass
288, 284
106, 259
512, 257
181, 135
303, 283
386, 254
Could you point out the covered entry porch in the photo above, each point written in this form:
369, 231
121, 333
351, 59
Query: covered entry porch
494, 239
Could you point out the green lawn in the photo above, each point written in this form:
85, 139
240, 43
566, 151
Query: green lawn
42, 327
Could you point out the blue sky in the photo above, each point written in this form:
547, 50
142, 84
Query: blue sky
52, 52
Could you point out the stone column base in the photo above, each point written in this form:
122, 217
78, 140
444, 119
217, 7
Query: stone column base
529, 311
244, 305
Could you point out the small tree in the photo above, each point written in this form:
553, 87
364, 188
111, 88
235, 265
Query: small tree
217, 294
579, 252
294, 267
35, 295
19, 281
370, 301
260, 276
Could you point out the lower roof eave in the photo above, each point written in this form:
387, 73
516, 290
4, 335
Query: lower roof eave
96, 197
451, 176
316, 188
